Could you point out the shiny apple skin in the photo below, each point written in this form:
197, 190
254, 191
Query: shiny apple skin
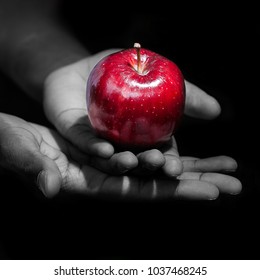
135, 109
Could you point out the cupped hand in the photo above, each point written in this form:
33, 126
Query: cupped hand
48, 160
65, 107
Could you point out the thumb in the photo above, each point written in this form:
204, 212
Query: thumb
35, 167
47, 174
199, 104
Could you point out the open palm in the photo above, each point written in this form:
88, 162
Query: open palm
65, 106
47, 159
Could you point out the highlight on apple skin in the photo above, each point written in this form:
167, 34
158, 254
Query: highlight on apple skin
135, 98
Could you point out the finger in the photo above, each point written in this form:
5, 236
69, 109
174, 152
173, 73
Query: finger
173, 164
151, 159
95, 182
225, 183
159, 189
119, 163
196, 190
27, 160
199, 104
174, 189
83, 136
49, 180
211, 164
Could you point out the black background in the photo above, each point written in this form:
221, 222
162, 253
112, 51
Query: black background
216, 46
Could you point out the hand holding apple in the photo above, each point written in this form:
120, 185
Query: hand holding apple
135, 98
67, 112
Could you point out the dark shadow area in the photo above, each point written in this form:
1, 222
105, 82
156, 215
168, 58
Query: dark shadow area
217, 50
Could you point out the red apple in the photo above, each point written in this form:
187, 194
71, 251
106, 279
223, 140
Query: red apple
135, 98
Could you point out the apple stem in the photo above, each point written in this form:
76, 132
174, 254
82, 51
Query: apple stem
137, 46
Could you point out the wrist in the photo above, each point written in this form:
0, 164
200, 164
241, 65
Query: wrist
36, 49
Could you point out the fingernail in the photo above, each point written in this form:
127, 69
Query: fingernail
41, 181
